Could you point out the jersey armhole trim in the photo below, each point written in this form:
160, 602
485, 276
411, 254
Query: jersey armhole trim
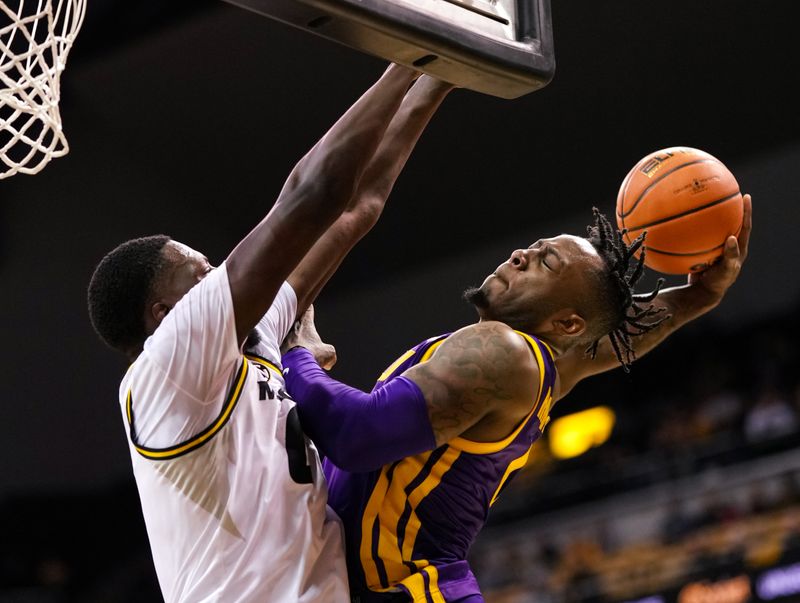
264, 362
432, 348
433, 344
171, 452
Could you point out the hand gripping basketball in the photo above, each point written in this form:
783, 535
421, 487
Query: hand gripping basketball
720, 276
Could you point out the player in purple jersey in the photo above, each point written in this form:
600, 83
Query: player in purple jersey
455, 417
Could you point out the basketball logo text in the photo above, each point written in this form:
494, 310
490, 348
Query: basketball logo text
652, 165
697, 185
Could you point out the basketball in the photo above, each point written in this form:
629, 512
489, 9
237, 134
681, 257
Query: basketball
687, 201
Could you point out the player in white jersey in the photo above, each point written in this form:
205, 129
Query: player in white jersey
221, 463
232, 493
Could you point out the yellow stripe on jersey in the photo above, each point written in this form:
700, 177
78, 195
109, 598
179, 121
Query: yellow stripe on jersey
396, 496
263, 362
415, 584
542, 407
202, 437
393, 366
387, 505
517, 463
367, 521
544, 410
394, 503
429, 352
539, 360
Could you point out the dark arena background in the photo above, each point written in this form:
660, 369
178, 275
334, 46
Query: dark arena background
185, 118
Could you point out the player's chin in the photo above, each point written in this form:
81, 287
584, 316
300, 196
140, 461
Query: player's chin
477, 296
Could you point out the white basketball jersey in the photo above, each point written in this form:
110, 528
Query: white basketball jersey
232, 492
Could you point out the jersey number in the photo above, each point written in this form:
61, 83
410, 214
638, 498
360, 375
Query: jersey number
296, 450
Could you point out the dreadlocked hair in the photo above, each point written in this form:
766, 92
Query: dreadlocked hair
634, 314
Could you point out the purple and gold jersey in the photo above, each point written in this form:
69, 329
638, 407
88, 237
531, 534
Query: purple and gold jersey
410, 524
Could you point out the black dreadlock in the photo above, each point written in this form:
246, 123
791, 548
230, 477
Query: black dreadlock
633, 314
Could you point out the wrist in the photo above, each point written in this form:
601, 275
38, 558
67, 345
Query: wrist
688, 302
296, 360
295, 354
705, 298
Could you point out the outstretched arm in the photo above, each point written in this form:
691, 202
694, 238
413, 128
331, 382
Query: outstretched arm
416, 110
315, 194
683, 304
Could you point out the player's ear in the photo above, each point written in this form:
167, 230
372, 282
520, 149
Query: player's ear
158, 311
570, 323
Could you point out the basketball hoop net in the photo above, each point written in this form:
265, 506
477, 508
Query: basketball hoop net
33, 52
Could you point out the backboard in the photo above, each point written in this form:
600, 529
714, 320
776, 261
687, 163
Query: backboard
499, 47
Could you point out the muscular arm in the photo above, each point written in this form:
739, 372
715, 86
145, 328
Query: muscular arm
315, 194
416, 110
483, 373
683, 304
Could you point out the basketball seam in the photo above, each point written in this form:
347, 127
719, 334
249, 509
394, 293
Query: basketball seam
687, 254
621, 215
687, 212
659, 179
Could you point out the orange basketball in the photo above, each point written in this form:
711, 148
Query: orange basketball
687, 201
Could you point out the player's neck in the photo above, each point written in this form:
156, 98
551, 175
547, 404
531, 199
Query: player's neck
559, 345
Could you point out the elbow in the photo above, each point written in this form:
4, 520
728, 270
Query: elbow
356, 222
367, 209
314, 201
328, 177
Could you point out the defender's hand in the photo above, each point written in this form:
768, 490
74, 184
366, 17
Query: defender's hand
717, 279
304, 334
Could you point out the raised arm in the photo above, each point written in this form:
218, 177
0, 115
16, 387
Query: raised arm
683, 304
317, 191
416, 110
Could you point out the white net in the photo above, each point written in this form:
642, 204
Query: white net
35, 38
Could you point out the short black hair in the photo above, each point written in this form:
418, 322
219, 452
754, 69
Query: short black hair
120, 287
622, 314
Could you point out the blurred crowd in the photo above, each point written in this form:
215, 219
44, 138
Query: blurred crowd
716, 539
